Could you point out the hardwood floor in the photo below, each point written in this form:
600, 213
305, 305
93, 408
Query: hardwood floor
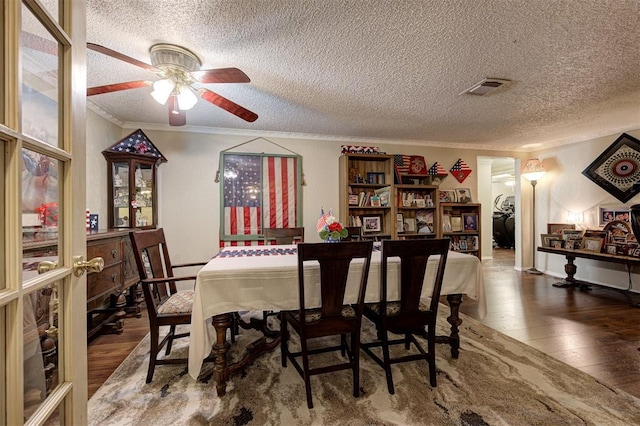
597, 331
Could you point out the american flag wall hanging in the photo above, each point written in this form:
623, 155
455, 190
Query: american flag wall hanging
460, 170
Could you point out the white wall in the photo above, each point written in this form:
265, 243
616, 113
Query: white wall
189, 198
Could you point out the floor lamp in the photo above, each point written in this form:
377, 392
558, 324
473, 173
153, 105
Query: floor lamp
532, 171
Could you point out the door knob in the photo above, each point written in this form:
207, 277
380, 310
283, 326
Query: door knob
80, 265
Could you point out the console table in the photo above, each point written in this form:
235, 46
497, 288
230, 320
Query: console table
570, 268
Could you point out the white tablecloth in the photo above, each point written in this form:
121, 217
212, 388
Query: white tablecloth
270, 282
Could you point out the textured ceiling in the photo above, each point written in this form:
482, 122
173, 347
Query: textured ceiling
388, 70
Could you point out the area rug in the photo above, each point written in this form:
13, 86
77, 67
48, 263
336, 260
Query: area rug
495, 381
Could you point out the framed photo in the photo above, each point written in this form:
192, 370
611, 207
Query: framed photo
556, 228
456, 223
606, 172
399, 222
593, 244
410, 224
470, 221
353, 199
463, 195
611, 249
556, 243
372, 223
472, 242
424, 221
446, 223
448, 196
545, 239
571, 234
463, 244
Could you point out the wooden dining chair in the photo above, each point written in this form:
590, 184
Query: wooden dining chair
165, 305
334, 317
407, 315
281, 236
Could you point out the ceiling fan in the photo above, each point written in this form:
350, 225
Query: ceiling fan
178, 68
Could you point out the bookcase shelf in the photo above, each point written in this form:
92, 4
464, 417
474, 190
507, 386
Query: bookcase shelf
461, 222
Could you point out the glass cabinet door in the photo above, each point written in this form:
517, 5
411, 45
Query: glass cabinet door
143, 203
121, 211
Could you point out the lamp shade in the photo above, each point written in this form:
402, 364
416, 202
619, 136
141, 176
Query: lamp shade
162, 89
533, 170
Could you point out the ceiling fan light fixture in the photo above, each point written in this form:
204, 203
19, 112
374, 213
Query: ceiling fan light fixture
162, 89
186, 98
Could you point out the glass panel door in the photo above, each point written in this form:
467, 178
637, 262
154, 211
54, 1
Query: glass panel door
42, 212
144, 195
121, 211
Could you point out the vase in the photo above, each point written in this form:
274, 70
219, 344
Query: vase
332, 240
634, 211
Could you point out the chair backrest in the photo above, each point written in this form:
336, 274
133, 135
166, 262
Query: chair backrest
335, 260
413, 255
152, 259
280, 236
354, 233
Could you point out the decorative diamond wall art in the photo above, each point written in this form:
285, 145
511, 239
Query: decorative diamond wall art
617, 169
460, 170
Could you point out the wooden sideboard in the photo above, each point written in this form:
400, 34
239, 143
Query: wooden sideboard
111, 294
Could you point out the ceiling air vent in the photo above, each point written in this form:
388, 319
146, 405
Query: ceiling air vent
485, 86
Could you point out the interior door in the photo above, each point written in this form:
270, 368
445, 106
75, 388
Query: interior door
43, 371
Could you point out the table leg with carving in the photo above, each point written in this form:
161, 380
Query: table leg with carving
453, 339
222, 369
571, 269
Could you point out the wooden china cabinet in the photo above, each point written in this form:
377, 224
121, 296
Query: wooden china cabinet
132, 197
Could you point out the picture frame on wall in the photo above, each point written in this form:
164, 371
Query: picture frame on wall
607, 172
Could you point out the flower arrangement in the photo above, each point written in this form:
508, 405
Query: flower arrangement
329, 229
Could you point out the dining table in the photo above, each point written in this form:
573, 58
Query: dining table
265, 278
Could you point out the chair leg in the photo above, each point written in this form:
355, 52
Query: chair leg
153, 353
355, 350
172, 332
407, 341
343, 344
283, 340
305, 370
387, 362
431, 356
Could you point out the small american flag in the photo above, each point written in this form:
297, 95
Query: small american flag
322, 220
402, 163
460, 170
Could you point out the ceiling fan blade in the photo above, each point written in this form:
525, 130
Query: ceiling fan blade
108, 88
177, 117
228, 105
221, 75
122, 57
